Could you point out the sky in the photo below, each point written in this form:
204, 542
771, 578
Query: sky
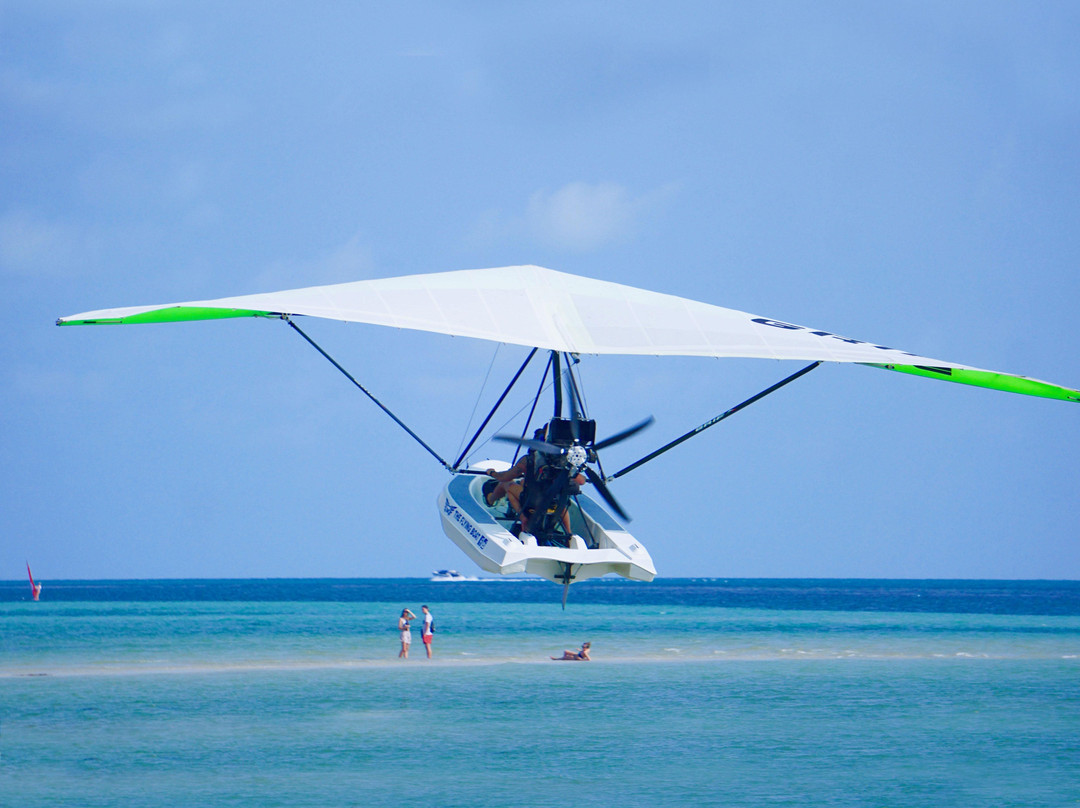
904, 173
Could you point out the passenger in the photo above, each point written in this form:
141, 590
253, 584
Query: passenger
575, 656
508, 484
511, 483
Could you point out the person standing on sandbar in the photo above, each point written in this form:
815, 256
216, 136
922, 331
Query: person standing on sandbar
427, 633
406, 635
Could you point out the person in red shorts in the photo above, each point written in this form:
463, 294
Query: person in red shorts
427, 633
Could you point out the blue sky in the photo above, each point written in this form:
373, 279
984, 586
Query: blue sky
904, 173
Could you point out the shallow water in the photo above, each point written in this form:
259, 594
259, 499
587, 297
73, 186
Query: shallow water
145, 702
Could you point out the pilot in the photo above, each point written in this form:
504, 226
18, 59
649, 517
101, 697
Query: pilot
576, 482
538, 480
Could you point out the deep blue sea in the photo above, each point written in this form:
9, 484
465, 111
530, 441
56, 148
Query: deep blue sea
701, 692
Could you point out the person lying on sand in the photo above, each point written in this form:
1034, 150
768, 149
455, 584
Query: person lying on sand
582, 655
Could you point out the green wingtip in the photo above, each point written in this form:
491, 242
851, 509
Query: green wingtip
173, 314
988, 379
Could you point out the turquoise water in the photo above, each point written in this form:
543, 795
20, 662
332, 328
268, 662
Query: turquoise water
255, 702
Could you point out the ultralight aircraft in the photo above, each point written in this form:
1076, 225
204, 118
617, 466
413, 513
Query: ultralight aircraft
546, 525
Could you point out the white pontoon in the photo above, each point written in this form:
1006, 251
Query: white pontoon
598, 544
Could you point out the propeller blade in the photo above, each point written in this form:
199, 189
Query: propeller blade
539, 445
621, 436
596, 480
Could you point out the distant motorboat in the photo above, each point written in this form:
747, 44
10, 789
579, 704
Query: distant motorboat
450, 575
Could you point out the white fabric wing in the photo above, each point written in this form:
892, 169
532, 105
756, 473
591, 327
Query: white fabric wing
538, 307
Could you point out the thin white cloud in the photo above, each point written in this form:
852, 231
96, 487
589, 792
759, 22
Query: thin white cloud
582, 217
578, 217
349, 261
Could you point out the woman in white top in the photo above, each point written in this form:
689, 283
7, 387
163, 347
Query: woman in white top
406, 635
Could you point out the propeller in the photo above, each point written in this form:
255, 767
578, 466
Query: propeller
621, 436
578, 455
601, 486
531, 443
551, 448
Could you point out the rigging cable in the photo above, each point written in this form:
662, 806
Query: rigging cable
698, 429
498, 403
364, 390
476, 404
536, 400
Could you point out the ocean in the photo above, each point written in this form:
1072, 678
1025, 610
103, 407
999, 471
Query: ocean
699, 692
